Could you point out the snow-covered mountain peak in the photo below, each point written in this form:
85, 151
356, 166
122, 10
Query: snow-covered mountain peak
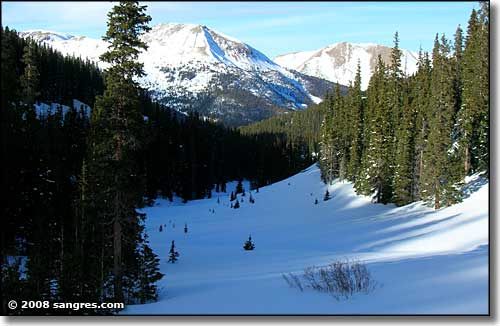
192, 67
183, 43
338, 62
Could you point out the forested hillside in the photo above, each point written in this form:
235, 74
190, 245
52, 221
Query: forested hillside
415, 137
407, 138
55, 189
92, 167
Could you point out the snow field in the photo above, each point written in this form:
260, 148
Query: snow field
424, 261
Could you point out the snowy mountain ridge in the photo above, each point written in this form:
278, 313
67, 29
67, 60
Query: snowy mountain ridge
45, 35
194, 68
338, 62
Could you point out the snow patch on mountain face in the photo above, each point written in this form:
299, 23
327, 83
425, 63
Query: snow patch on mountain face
293, 60
188, 65
44, 35
338, 62
44, 110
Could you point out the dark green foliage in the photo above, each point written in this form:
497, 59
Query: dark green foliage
249, 244
376, 165
147, 276
285, 144
420, 94
172, 258
404, 155
54, 208
473, 118
187, 156
337, 136
113, 184
405, 139
30, 78
239, 188
328, 156
40, 161
356, 104
237, 204
418, 136
439, 178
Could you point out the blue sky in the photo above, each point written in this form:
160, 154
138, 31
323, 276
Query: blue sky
271, 27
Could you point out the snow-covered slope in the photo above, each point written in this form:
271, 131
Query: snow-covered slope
425, 261
44, 110
338, 62
192, 67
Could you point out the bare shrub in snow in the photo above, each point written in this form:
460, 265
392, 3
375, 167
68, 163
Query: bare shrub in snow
310, 278
340, 279
287, 280
293, 281
296, 281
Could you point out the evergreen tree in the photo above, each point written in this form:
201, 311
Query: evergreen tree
172, 258
239, 188
440, 175
148, 275
357, 107
473, 117
394, 87
457, 67
116, 138
237, 204
327, 149
405, 155
376, 171
30, 79
420, 92
334, 143
327, 196
249, 244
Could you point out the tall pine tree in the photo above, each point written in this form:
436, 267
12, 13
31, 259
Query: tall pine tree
473, 117
438, 184
116, 138
376, 172
357, 106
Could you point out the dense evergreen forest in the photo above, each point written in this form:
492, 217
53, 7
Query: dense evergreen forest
73, 182
406, 138
415, 137
301, 129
